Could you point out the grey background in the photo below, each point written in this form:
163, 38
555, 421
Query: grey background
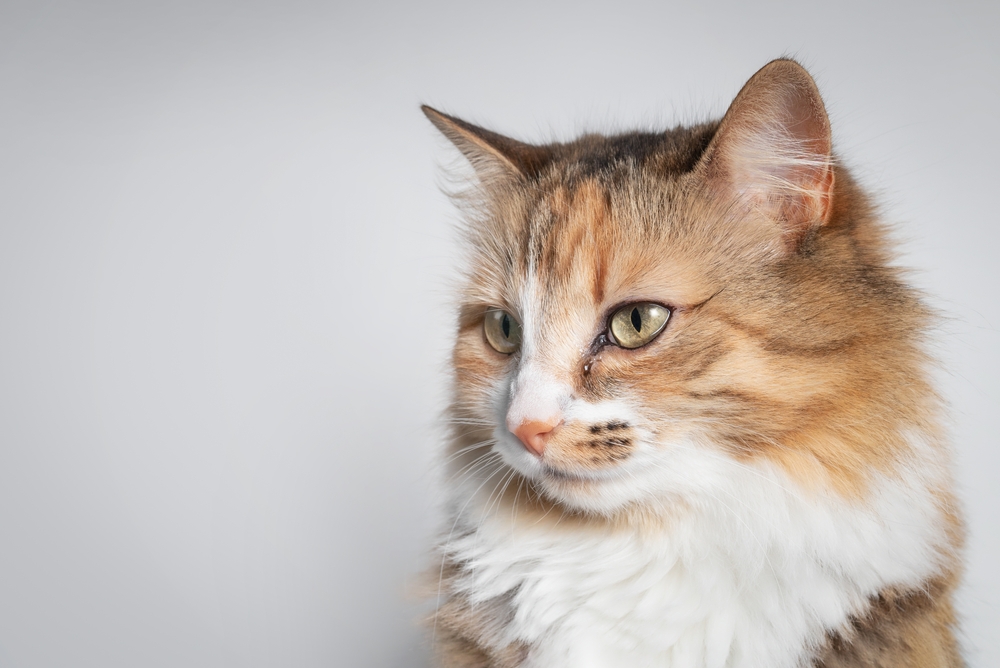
224, 286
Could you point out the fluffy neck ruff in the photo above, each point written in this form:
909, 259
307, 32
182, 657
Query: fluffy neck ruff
751, 569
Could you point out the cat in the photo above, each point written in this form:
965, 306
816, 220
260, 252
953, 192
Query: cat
692, 423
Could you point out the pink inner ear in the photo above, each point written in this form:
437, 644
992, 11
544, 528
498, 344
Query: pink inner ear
786, 176
773, 150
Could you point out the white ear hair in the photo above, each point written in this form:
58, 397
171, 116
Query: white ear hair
772, 151
776, 162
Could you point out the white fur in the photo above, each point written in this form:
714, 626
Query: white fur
752, 569
536, 395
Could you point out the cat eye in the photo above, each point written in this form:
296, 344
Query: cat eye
636, 325
502, 332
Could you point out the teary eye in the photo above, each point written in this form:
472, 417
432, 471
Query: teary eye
502, 331
636, 325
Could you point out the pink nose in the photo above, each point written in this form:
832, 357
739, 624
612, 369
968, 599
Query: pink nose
534, 434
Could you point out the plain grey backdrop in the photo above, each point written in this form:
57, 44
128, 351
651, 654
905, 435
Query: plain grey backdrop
225, 268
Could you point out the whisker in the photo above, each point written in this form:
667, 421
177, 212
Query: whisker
451, 532
468, 448
471, 465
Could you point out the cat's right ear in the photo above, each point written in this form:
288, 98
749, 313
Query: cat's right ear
490, 154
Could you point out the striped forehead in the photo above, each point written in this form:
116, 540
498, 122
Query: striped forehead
561, 287
561, 258
568, 244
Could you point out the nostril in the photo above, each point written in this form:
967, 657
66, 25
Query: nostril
534, 434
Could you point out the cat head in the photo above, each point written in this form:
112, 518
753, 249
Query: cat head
638, 306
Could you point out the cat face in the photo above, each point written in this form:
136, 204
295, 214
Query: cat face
594, 423
771, 328
572, 409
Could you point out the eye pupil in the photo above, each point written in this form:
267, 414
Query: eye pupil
502, 331
635, 325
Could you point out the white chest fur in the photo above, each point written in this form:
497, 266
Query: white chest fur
753, 572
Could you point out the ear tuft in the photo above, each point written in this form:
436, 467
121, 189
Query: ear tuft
489, 152
772, 151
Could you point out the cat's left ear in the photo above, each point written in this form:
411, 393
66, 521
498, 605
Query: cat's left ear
491, 154
772, 152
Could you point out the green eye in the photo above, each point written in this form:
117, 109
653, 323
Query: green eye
636, 325
502, 331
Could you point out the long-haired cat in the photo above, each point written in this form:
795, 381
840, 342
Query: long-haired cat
692, 421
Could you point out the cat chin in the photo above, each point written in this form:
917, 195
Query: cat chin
603, 493
593, 497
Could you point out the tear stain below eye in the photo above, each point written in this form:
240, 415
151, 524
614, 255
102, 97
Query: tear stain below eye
593, 354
